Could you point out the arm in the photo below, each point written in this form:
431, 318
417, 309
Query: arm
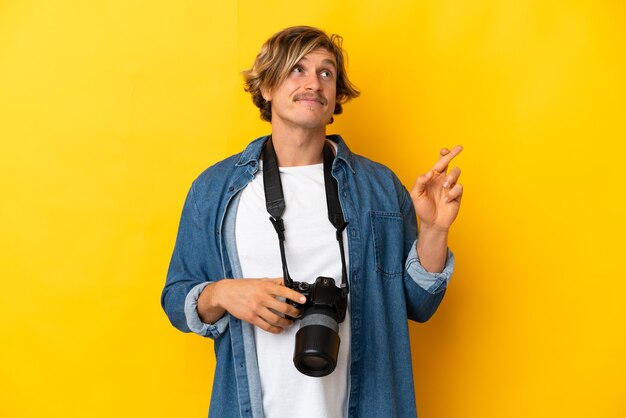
194, 300
437, 197
194, 265
424, 289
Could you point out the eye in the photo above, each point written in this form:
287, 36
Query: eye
326, 74
297, 69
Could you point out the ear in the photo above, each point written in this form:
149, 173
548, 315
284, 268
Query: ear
267, 94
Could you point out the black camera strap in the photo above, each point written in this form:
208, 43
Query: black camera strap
275, 203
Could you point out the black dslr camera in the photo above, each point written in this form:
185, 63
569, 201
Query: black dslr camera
317, 340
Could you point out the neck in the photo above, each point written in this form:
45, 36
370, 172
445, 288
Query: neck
297, 147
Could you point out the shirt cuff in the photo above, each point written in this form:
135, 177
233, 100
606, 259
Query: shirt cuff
431, 282
194, 322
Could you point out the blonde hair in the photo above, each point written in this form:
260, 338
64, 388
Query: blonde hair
282, 52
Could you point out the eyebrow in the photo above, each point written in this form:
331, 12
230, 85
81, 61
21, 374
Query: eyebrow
324, 61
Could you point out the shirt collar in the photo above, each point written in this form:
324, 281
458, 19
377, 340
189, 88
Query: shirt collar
252, 153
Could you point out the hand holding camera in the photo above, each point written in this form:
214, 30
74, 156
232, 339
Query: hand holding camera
251, 300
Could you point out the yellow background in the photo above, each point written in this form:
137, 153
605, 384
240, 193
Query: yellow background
109, 109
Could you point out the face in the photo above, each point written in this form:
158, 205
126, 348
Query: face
306, 98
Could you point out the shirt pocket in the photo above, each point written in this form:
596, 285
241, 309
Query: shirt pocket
388, 237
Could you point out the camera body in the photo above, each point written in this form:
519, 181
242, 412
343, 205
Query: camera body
317, 340
323, 294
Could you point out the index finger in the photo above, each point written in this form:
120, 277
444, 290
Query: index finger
442, 164
287, 293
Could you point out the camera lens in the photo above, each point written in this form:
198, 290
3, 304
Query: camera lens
315, 363
317, 345
317, 340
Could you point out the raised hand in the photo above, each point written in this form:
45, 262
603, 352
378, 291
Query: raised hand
436, 195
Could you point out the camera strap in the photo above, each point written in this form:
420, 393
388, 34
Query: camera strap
275, 203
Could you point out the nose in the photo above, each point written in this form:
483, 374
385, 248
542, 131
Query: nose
312, 82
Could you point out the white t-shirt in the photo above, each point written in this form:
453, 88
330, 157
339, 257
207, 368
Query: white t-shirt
311, 250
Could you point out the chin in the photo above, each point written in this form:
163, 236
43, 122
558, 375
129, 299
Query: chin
313, 124
305, 121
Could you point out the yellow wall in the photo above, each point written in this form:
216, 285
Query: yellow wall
108, 110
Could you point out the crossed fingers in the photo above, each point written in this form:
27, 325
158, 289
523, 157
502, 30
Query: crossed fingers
454, 190
439, 168
445, 156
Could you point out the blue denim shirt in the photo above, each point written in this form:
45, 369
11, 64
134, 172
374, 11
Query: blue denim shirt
387, 283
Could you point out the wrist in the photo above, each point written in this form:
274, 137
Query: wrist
209, 299
432, 238
432, 230
432, 249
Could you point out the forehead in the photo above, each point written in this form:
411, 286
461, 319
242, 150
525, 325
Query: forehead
320, 55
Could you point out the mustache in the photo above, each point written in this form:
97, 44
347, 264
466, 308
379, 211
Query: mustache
310, 96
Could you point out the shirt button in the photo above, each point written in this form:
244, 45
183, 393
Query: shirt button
231, 188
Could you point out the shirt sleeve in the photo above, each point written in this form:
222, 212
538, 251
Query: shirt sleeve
194, 322
431, 282
188, 273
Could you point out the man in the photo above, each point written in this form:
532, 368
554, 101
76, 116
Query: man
225, 279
